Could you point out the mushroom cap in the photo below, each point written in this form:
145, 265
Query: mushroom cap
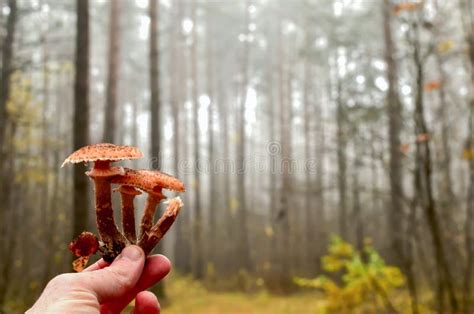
127, 189
103, 152
150, 181
85, 244
105, 172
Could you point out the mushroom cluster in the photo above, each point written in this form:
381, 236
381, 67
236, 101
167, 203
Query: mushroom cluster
130, 184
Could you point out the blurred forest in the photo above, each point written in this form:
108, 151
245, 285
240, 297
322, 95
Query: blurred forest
290, 122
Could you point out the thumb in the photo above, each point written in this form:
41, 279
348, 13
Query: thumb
119, 278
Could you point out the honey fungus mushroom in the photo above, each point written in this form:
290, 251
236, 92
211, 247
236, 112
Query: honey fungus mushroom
102, 173
152, 182
130, 182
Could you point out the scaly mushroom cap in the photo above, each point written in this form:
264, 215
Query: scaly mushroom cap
103, 152
149, 180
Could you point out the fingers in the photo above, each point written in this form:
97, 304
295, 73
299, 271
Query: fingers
119, 278
97, 265
146, 303
156, 268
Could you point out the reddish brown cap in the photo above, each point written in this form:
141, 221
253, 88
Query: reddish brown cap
127, 189
149, 180
103, 152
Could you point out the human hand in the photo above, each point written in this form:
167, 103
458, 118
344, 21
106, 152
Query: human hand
104, 288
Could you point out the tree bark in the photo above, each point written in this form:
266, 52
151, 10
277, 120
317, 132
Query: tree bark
341, 161
423, 183
394, 111
155, 99
113, 65
81, 117
198, 262
7, 70
243, 247
5, 170
400, 246
310, 221
210, 131
155, 105
468, 24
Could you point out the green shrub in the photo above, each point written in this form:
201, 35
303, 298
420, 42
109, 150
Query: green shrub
354, 279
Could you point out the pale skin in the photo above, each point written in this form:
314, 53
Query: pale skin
107, 288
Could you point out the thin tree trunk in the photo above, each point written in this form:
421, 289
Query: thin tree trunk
341, 161
273, 160
468, 24
310, 221
6, 171
45, 148
400, 246
182, 249
198, 263
10, 214
7, 70
155, 105
394, 110
113, 68
210, 130
81, 117
281, 219
357, 207
155, 100
243, 248
423, 184
321, 234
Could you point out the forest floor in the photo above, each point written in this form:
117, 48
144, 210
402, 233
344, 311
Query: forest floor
188, 296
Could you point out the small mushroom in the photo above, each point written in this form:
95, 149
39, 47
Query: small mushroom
152, 182
102, 155
149, 179
150, 239
128, 194
83, 247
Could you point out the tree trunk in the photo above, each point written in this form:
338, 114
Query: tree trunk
5, 170
357, 207
198, 263
155, 100
113, 59
468, 23
394, 110
400, 246
155, 105
310, 221
7, 70
210, 131
341, 161
281, 274
320, 220
423, 183
81, 117
243, 247
182, 247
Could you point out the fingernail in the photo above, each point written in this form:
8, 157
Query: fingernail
132, 253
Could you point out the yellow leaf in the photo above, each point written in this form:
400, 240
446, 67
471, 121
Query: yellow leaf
468, 154
233, 205
445, 46
269, 231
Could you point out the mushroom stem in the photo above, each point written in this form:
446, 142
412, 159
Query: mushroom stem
149, 213
128, 217
150, 239
114, 241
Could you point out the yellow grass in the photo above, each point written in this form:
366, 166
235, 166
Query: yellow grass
188, 296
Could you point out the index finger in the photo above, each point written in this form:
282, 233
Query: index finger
97, 265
